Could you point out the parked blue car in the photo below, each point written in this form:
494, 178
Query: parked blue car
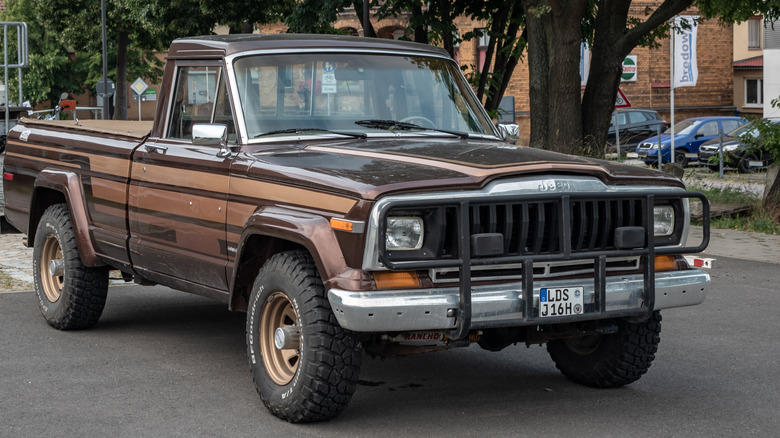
688, 136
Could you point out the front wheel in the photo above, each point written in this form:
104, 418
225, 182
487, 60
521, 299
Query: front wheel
609, 360
680, 158
70, 295
304, 365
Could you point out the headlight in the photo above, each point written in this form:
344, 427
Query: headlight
663, 220
404, 233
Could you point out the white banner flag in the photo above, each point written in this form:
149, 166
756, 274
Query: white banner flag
686, 70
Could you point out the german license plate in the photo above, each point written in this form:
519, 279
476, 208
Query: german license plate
641, 153
560, 301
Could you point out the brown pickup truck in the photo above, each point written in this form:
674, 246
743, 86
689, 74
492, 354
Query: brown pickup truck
351, 196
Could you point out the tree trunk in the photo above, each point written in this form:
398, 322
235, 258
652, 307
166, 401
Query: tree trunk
369, 30
506, 61
772, 192
553, 62
120, 98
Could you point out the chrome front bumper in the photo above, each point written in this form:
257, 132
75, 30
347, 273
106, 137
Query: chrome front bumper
502, 305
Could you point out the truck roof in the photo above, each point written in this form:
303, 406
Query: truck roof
218, 46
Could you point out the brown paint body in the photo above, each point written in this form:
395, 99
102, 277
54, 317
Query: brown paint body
180, 215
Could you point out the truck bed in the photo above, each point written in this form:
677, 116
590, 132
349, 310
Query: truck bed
126, 128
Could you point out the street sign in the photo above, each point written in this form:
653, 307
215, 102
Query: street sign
629, 69
101, 85
621, 101
139, 86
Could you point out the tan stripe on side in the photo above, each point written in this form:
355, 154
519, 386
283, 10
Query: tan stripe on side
109, 190
42, 160
186, 205
293, 195
180, 177
98, 163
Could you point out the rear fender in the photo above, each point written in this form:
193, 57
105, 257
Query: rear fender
69, 185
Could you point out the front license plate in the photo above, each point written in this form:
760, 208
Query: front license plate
560, 301
641, 154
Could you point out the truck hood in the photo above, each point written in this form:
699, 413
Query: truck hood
372, 168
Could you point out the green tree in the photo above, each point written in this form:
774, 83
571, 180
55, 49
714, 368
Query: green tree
240, 16
768, 138
560, 120
51, 68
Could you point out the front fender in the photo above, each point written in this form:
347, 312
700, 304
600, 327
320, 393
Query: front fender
310, 231
69, 185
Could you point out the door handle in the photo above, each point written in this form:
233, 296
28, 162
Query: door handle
155, 148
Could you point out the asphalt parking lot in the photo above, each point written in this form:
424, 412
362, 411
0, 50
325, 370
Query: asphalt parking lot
165, 363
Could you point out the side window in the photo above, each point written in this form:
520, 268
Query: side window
636, 117
193, 100
729, 125
708, 129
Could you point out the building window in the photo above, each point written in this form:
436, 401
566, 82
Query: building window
754, 32
754, 92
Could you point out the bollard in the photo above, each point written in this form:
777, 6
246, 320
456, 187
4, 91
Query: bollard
720, 151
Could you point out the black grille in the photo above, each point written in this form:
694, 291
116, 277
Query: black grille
535, 227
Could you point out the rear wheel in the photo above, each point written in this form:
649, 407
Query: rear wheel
70, 295
609, 360
305, 366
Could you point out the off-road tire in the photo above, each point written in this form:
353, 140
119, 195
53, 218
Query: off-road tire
75, 299
609, 360
314, 382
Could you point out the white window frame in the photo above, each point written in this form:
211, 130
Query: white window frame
759, 93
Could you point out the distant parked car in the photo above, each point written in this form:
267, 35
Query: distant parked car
635, 125
688, 136
735, 152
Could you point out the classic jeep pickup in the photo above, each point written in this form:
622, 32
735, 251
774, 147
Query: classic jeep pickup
352, 197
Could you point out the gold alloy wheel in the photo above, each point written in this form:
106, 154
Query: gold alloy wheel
52, 284
280, 364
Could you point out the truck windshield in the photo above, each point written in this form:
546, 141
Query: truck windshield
408, 95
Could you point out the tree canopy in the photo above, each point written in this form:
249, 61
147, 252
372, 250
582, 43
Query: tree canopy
65, 38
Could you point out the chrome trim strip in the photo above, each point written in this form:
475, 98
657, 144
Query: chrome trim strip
547, 267
501, 305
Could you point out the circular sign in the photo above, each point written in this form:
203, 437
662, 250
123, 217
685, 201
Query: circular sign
629, 69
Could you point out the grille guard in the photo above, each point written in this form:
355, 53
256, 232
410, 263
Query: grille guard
464, 260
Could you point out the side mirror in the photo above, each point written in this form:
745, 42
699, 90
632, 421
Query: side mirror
510, 132
211, 134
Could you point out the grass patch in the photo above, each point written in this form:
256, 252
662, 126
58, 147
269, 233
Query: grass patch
758, 221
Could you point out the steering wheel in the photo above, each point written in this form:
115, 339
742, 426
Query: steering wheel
422, 121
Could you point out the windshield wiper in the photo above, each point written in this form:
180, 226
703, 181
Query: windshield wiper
304, 130
403, 126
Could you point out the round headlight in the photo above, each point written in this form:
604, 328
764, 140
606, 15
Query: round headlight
663, 220
404, 233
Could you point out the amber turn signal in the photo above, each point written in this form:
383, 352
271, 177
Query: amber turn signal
665, 263
396, 280
338, 224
